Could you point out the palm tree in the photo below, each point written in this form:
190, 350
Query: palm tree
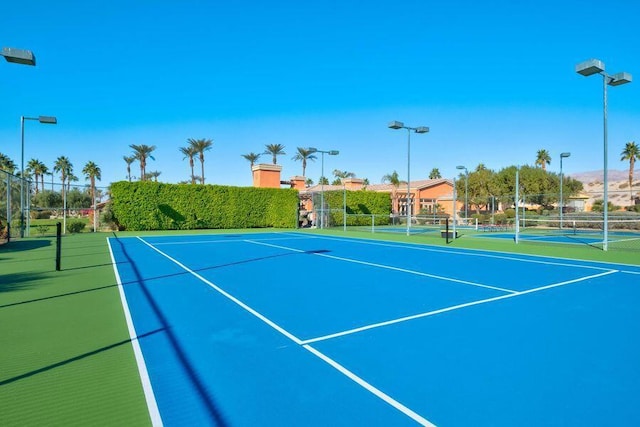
252, 158
6, 164
32, 167
141, 153
189, 152
65, 168
42, 170
154, 175
435, 174
543, 159
200, 146
394, 180
92, 172
631, 152
129, 160
71, 178
303, 155
275, 150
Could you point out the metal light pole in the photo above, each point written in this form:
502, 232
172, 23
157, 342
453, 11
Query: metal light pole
322, 153
588, 68
42, 119
466, 192
562, 156
420, 129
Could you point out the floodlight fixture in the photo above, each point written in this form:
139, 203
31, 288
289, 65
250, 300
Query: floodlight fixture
19, 56
312, 150
590, 67
564, 155
422, 129
396, 125
333, 152
49, 120
620, 79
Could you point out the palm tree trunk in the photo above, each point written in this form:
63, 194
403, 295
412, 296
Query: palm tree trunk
202, 165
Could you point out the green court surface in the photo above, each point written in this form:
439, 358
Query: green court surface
66, 356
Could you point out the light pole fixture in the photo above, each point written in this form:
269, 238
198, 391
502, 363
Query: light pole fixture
420, 129
18, 56
322, 178
562, 156
42, 119
588, 68
466, 191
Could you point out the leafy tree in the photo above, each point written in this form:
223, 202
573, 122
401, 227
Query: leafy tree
435, 174
543, 158
252, 158
128, 160
141, 153
275, 150
308, 182
200, 146
323, 181
303, 155
395, 181
189, 152
598, 206
631, 152
47, 199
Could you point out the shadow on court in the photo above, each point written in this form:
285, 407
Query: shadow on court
72, 359
205, 396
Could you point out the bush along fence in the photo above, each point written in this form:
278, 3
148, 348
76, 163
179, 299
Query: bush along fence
148, 205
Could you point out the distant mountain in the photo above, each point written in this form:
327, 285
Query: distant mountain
614, 175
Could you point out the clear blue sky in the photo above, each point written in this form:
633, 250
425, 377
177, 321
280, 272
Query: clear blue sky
494, 81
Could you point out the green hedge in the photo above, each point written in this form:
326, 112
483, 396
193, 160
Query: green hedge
360, 202
148, 205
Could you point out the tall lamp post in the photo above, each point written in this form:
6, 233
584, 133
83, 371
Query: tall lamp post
420, 129
322, 153
42, 119
466, 192
588, 68
562, 156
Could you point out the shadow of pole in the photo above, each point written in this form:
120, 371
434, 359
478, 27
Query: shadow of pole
184, 361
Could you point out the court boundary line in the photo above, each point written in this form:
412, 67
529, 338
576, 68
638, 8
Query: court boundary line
366, 385
145, 379
389, 267
479, 252
451, 308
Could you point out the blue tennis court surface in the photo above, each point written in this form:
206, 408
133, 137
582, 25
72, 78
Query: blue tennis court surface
298, 329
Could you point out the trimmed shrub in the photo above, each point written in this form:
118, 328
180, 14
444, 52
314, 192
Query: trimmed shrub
148, 205
75, 226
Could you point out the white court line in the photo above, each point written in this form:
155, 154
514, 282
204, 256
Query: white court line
152, 405
476, 252
367, 386
452, 308
225, 241
225, 294
389, 267
385, 397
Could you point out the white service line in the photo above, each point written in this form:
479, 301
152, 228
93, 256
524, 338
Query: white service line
378, 393
452, 308
389, 267
152, 405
